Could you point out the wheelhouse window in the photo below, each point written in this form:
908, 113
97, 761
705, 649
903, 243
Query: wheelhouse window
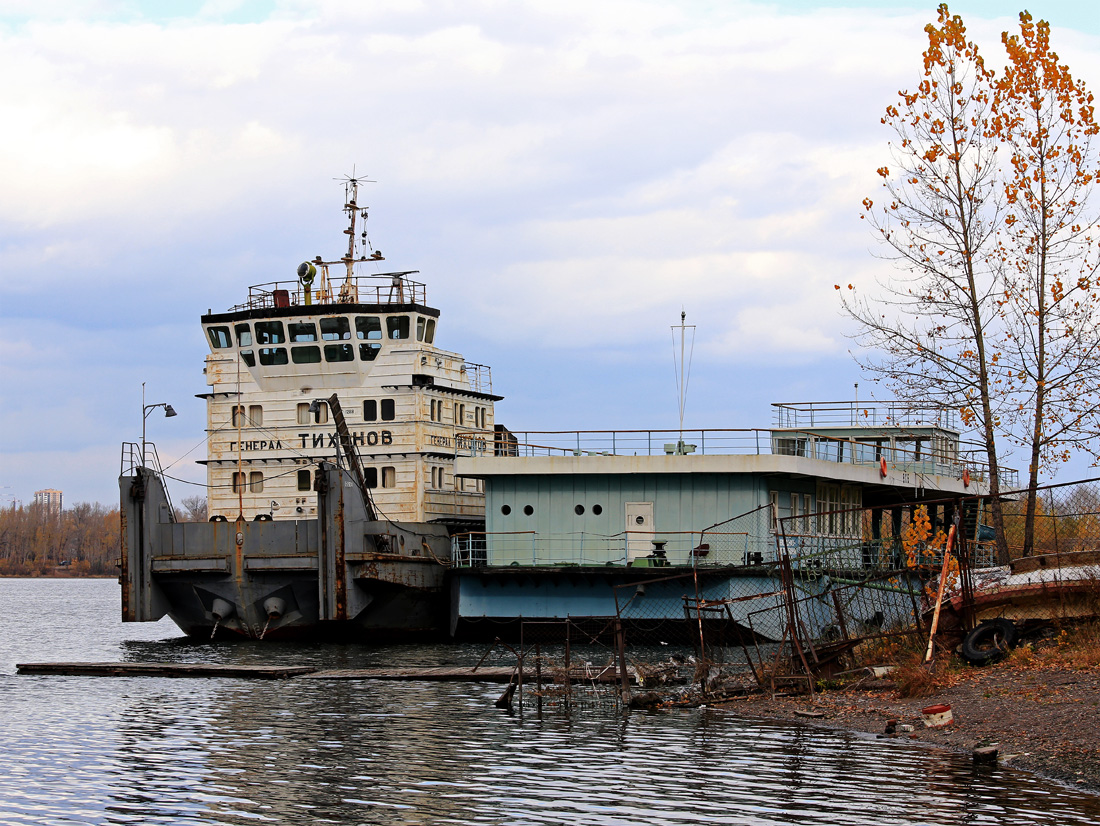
220, 338
302, 331
305, 355
425, 329
270, 332
249, 357
397, 326
339, 352
244, 335
368, 328
335, 329
369, 352
273, 356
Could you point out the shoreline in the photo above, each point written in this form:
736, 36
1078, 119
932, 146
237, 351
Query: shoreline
1042, 720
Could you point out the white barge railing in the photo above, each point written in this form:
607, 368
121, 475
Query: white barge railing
921, 454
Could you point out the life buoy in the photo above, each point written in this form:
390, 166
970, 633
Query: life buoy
882, 467
966, 477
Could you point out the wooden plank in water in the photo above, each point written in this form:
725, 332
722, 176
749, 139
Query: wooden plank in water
421, 673
255, 672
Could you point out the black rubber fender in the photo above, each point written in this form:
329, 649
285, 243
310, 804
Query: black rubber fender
989, 642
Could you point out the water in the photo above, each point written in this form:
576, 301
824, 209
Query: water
224, 751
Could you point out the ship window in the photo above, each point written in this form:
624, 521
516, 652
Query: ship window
244, 335
339, 352
303, 413
306, 355
389, 476
273, 355
579, 510
370, 410
460, 414
368, 327
321, 416
302, 331
270, 332
387, 410
420, 327
255, 415
369, 352
436, 410
335, 329
528, 510
506, 509
597, 509
371, 474
435, 477
238, 416
256, 481
304, 481
397, 326
238, 482
219, 337
249, 358
429, 331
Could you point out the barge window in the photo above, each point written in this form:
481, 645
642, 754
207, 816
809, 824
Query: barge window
371, 473
220, 338
272, 355
306, 355
370, 410
387, 410
397, 326
301, 331
255, 415
335, 329
389, 476
369, 352
270, 332
244, 335
249, 358
304, 481
339, 352
256, 481
368, 327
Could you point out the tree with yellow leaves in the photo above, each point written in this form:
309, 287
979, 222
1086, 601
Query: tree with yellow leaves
1049, 254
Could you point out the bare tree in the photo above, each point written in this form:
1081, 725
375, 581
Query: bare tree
931, 330
1049, 254
195, 508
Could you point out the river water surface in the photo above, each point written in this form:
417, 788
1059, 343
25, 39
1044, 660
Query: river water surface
228, 751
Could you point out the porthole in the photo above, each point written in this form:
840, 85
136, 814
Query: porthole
597, 509
579, 510
639, 520
528, 510
506, 509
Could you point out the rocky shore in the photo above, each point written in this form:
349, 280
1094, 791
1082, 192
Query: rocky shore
1044, 719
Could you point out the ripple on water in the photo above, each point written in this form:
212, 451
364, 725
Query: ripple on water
186, 751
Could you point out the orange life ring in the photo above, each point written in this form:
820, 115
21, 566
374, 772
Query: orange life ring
966, 477
882, 467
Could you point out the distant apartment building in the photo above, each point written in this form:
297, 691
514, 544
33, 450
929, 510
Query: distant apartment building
49, 500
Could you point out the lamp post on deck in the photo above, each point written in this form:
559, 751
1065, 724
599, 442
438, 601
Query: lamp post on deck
146, 409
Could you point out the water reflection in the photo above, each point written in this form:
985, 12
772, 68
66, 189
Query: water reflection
221, 751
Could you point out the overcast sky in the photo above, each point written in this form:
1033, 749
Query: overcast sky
565, 175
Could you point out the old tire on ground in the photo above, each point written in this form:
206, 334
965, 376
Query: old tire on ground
989, 642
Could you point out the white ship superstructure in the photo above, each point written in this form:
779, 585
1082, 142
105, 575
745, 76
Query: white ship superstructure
409, 405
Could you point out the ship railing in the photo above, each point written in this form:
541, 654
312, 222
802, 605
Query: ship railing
863, 414
915, 456
134, 457
479, 377
392, 288
636, 549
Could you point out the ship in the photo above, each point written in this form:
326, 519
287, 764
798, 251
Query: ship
333, 423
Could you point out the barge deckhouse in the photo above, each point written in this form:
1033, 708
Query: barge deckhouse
333, 422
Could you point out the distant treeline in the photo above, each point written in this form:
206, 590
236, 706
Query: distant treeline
80, 541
